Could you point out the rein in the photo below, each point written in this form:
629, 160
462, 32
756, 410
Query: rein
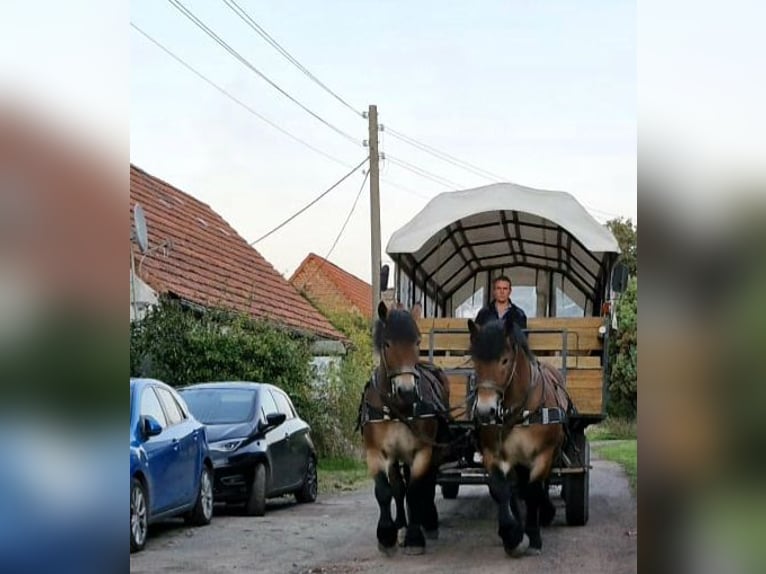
387, 399
521, 415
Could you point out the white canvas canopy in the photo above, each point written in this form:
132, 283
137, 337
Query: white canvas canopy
502, 227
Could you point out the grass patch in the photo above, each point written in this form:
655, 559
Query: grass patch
341, 474
624, 453
612, 429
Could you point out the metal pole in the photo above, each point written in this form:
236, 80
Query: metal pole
374, 207
133, 301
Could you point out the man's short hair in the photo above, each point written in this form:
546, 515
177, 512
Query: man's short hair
501, 278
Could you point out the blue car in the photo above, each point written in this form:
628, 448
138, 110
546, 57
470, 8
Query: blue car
171, 472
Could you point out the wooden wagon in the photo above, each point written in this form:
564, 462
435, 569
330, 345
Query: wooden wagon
563, 265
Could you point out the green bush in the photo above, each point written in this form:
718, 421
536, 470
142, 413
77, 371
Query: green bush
181, 346
612, 429
339, 392
623, 379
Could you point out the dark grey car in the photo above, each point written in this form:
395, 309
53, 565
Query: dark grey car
260, 447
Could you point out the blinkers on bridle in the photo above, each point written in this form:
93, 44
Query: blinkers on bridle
391, 376
500, 390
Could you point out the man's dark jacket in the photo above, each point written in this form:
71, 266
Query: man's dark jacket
514, 314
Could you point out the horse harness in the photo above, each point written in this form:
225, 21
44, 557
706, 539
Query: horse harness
421, 408
523, 416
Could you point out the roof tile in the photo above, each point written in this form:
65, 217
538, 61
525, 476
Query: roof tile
356, 291
210, 263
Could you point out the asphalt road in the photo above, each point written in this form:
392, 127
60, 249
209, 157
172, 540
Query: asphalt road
336, 535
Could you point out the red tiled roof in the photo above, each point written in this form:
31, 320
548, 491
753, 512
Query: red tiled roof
210, 264
357, 292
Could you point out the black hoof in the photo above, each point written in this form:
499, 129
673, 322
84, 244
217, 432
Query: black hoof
533, 551
400, 534
511, 537
414, 541
414, 550
431, 520
547, 513
535, 540
387, 536
519, 550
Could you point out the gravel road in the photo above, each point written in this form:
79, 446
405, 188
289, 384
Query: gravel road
336, 535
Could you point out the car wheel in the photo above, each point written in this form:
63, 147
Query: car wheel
310, 487
202, 513
139, 515
256, 504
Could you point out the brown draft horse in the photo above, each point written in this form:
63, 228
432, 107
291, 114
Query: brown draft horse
521, 405
403, 418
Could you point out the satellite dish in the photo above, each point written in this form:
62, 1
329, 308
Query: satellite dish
139, 228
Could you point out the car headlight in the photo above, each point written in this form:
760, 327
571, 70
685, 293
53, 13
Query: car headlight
227, 445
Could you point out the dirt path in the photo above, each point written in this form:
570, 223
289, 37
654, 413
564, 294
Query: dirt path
336, 535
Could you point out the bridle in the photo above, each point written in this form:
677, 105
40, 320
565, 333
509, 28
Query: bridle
501, 390
392, 374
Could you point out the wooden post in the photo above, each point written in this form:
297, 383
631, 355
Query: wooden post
374, 207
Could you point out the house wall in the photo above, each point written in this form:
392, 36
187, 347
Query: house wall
321, 289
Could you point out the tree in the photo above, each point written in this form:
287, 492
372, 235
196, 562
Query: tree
623, 351
335, 432
626, 234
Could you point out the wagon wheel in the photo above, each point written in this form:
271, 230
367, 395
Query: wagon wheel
576, 486
450, 490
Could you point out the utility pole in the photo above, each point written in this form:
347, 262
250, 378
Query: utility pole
374, 207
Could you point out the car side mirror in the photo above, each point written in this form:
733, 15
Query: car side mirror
619, 277
150, 426
275, 419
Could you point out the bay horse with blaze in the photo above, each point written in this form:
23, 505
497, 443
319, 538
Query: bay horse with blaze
403, 418
521, 407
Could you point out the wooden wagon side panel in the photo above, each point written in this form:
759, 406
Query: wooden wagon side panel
584, 350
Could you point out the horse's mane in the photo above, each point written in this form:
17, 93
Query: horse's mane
489, 342
399, 326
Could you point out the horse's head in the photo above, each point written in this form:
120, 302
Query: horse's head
495, 350
397, 339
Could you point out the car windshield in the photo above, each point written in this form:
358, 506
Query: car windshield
220, 406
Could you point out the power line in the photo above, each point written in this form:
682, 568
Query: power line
423, 172
236, 100
340, 233
395, 133
405, 188
444, 156
348, 217
312, 202
245, 17
202, 26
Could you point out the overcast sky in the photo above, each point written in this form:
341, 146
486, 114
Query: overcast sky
540, 93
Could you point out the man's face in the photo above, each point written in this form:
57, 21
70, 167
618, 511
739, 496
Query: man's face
502, 291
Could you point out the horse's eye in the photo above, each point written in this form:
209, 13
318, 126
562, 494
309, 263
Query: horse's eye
387, 344
504, 361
